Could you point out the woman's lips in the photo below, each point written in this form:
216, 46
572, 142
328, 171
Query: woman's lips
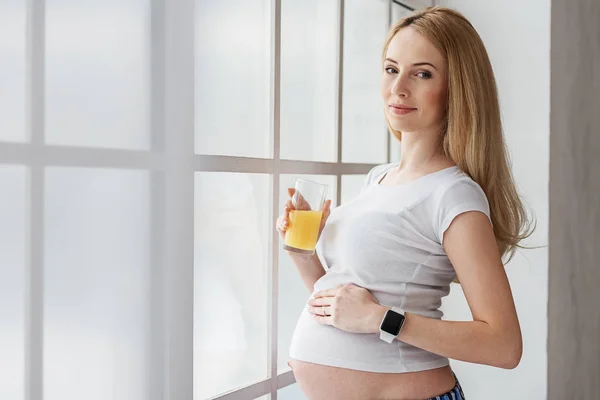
401, 110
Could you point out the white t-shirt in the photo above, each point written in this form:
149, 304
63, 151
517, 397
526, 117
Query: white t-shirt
389, 241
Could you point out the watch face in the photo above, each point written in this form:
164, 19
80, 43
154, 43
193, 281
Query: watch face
392, 322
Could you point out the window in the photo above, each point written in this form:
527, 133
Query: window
80, 305
13, 244
364, 133
232, 75
309, 80
145, 151
13, 65
231, 280
97, 73
97, 286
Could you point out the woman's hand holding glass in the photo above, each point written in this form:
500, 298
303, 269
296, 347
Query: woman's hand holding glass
289, 216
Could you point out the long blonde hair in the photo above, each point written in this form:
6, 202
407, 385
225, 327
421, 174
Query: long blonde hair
472, 135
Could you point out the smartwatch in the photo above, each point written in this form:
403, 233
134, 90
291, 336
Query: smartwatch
391, 324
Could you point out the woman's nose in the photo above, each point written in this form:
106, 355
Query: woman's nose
400, 87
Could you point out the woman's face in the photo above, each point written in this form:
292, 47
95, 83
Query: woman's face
414, 83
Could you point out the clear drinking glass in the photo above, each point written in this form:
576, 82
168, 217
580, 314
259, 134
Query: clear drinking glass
303, 230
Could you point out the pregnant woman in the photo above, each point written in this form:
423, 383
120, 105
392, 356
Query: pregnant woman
448, 210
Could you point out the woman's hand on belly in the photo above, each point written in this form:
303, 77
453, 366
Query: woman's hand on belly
348, 307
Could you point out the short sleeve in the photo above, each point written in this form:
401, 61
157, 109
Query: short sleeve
459, 197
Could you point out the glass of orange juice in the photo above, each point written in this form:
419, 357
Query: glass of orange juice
303, 229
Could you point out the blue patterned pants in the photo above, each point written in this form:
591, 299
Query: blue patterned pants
455, 394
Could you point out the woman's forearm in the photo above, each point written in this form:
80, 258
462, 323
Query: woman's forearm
470, 341
309, 268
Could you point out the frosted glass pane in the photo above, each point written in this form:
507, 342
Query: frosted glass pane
13, 228
399, 12
97, 73
351, 185
308, 80
97, 285
12, 70
233, 69
364, 129
290, 283
231, 281
291, 392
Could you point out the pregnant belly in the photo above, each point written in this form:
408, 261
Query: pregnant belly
322, 382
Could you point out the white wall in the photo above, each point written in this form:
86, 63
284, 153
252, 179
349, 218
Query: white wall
517, 37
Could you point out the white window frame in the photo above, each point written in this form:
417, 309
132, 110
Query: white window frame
172, 163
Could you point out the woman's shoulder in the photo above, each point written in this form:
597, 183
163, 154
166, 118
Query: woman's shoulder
459, 187
459, 180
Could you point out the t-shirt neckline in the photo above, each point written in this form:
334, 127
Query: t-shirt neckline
414, 181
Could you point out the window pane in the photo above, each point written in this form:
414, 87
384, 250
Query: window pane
364, 133
308, 80
13, 230
97, 73
231, 290
351, 185
290, 283
399, 12
97, 285
233, 52
12, 70
291, 392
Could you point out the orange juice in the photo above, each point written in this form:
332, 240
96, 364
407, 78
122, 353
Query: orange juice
303, 229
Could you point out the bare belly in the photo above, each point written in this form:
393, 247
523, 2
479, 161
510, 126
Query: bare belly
322, 382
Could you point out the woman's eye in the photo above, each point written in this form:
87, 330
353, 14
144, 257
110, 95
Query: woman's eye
422, 74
